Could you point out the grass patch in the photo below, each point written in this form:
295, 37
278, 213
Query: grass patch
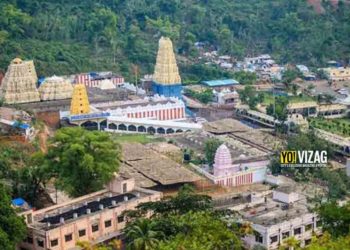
136, 138
336, 126
269, 99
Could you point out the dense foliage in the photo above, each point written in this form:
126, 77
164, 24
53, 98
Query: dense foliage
69, 36
83, 160
250, 96
80, 162
12, 227
186, 221
210, 147
336, 181
335, 219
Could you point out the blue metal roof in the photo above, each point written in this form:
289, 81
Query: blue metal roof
17, 124
18, 202
217, 83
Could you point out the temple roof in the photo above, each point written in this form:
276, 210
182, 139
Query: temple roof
166, 71
19, 83
55, 88
222, 157
106, 84
80, 101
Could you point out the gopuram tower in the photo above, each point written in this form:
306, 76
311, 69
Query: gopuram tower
166, 77
80, 101
19, 83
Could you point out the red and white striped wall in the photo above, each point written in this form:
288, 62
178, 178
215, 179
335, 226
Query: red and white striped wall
237, 180
166, 113
89, 82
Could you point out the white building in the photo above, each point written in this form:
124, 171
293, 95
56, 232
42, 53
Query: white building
274, 220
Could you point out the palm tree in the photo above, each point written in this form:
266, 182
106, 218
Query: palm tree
290, 243
246, 229
141, 235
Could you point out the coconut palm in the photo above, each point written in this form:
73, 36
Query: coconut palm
290, 243
141, 235
246, 228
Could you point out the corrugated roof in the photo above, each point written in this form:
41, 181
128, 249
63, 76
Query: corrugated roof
216, 83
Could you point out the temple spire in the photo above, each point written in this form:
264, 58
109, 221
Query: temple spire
166, 71
19, 83
80, 101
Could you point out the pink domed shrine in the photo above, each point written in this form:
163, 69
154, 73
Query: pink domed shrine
223, 162
242, 171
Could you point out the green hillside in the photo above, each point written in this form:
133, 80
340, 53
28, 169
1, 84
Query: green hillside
66, 36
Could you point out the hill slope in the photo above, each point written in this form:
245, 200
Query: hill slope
66, 36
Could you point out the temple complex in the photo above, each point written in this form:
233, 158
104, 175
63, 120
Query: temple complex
55, 88
240, 171
166, 78
19, 83
80, 101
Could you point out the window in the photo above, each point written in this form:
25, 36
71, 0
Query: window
82, 232
307, 242
108, 223
297, 231
274, 239
285, 235
29, 218
308, 227
68, 237
94, 228
124, 188
40, 242
54, 242
318, 223
120, 219
30, 240
258, 237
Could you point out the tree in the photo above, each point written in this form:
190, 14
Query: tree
279, 109
141, 235
321, 74
295, 89
326, 242
202, 231
36, 173
335, 219
83, 160
309, 141
210, 147
186, 221
250, 96
289, 243
290, 75
113, 245
27, 171
246, 78
185, 201
12, 227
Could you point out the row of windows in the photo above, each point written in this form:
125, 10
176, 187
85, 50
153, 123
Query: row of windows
285, 235
296, 231
69, 237
82, 232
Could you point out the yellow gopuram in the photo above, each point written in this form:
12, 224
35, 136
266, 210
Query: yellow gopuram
80, 101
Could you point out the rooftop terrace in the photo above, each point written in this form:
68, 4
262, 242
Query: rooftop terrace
52, 217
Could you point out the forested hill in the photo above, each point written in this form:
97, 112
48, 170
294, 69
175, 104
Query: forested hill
65, 36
